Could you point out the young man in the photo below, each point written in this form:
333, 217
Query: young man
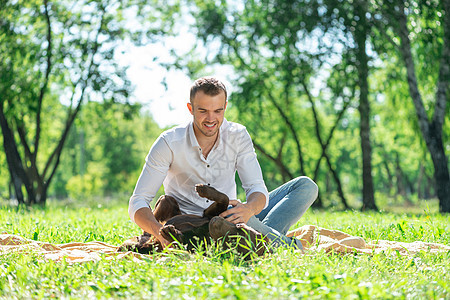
209, 150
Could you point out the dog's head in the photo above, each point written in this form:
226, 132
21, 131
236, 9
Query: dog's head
165, 208
244, 238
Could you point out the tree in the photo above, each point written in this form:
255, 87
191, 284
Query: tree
104, 151
420, 30
61, 53
263, 42
352, 16
297, 71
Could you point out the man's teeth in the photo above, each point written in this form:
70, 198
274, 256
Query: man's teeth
209, 125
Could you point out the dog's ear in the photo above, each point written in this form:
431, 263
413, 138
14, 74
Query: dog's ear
166, 207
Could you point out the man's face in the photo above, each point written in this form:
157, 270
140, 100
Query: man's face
208, 112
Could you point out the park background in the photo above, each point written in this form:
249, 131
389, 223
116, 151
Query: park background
353, 94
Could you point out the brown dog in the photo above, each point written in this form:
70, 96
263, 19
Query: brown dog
189, 229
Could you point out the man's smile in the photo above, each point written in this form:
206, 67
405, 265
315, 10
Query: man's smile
210, 125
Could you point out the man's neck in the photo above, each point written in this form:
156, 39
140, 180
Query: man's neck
206, 143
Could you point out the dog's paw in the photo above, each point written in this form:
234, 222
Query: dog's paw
171, 234
129, 245
209, 192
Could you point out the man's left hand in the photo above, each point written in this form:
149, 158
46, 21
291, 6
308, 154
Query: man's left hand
240, 213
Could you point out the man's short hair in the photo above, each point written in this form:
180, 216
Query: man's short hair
209, 85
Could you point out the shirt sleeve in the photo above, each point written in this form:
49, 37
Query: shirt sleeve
155, 169
248, 168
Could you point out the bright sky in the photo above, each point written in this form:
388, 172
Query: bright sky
168, 107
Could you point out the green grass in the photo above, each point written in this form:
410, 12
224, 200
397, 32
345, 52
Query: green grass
283, 275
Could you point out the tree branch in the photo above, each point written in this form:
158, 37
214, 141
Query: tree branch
272, 99
291, 127
323, 147
330, 136
23, 139
58, 150
56, 154
45, 85
280, 149
276, 160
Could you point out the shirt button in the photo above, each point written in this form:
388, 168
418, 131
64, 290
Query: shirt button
209, 183
207, 166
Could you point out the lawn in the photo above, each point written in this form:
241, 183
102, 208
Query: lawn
208, 275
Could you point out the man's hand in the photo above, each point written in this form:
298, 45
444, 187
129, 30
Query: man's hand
163, 241
145, 219
240, 213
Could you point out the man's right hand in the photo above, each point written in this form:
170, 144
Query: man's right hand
163, 241
145, 219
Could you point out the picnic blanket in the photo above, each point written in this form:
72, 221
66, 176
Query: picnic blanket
71, 252
313, 238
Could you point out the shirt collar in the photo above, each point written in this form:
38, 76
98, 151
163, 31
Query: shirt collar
193, 139
222, 129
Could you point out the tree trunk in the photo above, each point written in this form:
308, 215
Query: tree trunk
10, 189
420, 180
430, 189
324, 147
401, 180
441, 172
431, 131
338, 183
15, 166
360, 35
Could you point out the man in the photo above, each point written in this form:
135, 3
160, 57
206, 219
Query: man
210, 150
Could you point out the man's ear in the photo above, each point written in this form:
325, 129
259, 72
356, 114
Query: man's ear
189, 106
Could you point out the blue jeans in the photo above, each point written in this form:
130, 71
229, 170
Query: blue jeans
286, 205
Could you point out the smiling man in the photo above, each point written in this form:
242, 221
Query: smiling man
210, 150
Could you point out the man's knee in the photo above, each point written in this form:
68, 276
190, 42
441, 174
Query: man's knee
308, 187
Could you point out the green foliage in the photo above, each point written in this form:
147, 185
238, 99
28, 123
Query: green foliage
81, 186
105, 152
283, 52
277, 51
56, 57
210, 274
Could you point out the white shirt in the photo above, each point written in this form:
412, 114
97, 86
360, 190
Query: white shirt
176, 160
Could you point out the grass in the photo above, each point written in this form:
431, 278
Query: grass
209, 275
